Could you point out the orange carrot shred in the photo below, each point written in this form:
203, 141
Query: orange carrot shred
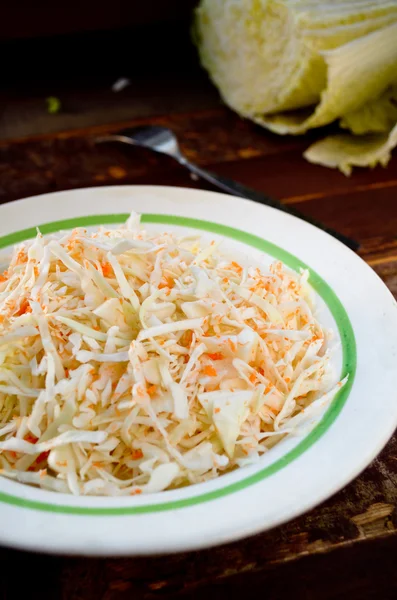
42, 456
238, 267
24, 308
167, 282
215, 355
107, 269
210, 371
136, 454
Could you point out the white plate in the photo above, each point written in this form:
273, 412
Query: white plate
299, 472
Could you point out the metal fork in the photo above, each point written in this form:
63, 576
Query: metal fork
164, 141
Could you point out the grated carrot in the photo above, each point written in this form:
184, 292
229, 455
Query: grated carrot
210, 371
215, 355
152, 389
136, 454
107, 269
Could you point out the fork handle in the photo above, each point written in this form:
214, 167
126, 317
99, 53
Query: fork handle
237, 189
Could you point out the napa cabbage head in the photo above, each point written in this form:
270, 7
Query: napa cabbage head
294, 65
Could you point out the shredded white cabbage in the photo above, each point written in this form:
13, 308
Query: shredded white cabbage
132, 362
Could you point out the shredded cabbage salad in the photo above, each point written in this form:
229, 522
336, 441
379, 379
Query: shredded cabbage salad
133, 362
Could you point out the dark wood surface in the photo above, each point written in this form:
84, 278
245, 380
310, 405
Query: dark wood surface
346, 547
27, 19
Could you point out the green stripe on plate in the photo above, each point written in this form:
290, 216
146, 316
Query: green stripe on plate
333, 303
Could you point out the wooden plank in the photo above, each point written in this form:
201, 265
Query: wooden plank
216, 136
285, 174
222, 142
23, 114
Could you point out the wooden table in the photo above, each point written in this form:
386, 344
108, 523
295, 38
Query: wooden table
345, 548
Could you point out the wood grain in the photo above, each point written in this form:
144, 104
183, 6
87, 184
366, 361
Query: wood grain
344, 547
